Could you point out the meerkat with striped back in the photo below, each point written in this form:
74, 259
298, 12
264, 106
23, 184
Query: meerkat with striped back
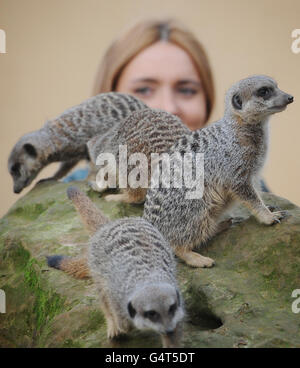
134, 269
150, 131
235, 150
64, 138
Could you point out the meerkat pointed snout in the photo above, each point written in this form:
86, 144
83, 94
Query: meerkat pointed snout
255, 98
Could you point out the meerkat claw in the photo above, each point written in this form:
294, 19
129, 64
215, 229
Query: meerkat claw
274, 208
277, 217
276, 221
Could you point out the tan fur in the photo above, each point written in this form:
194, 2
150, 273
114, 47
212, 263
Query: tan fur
115, 326
128, 196
76, 267
90, 214
192, 258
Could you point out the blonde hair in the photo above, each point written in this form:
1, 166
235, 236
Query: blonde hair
141, 36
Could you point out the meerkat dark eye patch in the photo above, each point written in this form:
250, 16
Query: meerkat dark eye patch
237, 102
172, 309
15, 170
30, 150
131, 310
264, 92
152, 315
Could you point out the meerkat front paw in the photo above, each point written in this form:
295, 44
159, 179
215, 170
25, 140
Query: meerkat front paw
281, 213
121, 197
114, 198
195, 259
274, 218
278, 216
112, 330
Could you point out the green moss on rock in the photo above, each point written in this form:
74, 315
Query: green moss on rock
244, 301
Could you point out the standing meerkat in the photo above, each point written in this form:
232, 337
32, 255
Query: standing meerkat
134, 269
64, 138
148, 131
235, 150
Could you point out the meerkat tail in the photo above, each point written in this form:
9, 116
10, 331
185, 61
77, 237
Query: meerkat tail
91, 216
74, 266
93, 219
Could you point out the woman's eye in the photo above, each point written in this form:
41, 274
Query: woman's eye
187, 91
145, 91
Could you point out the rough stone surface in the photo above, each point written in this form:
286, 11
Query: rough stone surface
244, 301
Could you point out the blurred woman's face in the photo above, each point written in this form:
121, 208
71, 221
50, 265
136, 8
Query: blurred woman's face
165, 77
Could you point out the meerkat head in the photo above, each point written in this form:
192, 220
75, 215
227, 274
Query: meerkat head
157, 307
24, 163
255, 98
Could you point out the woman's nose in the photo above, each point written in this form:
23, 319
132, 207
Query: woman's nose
168, 102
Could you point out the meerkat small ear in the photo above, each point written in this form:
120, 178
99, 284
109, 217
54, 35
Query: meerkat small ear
237, 102
30, 150
131, 310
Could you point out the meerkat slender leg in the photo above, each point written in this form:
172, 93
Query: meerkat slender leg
63, 169
112, 320
121, 197
224, 225
193, 259
128, 196
250, 197
197, 260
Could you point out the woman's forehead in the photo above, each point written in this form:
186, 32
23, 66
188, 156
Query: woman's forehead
161, 60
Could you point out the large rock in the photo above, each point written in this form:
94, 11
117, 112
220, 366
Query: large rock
244, 301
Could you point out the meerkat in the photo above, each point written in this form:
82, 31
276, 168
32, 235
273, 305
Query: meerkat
134, 270
64, 138
235, 150
146, 131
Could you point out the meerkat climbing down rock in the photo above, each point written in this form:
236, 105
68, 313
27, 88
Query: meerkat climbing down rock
147, 131
134, 269
64, 138
235, 150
